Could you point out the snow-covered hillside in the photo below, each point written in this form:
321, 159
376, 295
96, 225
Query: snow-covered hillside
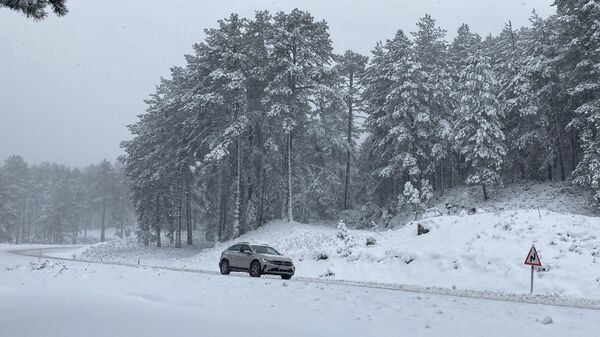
484, 251
562, 197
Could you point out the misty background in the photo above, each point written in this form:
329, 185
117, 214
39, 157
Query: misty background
70, 85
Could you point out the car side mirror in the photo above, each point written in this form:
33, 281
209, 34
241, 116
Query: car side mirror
247, 252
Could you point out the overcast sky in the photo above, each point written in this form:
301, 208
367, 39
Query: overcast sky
70, 85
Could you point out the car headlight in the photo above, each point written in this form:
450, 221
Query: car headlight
266, 260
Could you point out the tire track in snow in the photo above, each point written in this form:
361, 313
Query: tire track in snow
554, 300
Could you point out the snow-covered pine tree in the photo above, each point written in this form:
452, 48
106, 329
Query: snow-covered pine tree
537, 104
301, 53
8, 216
16, 175
225, 51
479, 135
461, 48
580, 30
405, 142
431, 52
350, 69
387, 149
414, 198
36, 8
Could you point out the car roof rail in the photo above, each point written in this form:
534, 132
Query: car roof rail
243, 242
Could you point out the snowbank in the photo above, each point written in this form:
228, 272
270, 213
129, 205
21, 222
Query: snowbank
484, 251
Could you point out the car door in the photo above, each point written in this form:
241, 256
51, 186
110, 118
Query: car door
245, 256
233, 254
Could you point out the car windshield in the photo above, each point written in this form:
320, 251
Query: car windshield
265, 250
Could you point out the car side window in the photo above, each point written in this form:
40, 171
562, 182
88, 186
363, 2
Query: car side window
234, 248
245, 248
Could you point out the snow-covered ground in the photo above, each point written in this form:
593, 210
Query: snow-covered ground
48, 298
479, 255
484, 251
562, 197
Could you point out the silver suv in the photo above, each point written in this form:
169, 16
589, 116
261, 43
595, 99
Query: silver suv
256, 260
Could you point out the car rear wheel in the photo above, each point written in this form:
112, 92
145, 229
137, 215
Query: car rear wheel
254, 270
224, 267
286, 277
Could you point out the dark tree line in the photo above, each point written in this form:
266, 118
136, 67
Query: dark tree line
261, 122
51, 203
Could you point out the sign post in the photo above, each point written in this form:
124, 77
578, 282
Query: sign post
533, 260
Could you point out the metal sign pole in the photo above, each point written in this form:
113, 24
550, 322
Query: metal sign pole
531, 291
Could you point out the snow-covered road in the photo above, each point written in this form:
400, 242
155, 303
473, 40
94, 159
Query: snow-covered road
66, 253
46, 297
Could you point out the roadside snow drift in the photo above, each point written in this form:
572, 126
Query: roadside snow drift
477, 252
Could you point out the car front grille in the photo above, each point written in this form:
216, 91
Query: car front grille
282, 263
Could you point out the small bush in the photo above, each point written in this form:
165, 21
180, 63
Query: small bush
371, 241
327, 273
422, 230
432, 212
322, 256
345, 242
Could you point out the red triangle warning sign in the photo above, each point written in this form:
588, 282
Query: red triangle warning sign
533, 258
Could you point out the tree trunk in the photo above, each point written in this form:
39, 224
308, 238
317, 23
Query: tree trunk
102, 228
220, 225
573, 151
485, 194
88, 220
157, 225
29, 218
179, 215
442, 178
549, 167
74, 232
188, 211
348, 144
261, 208
452, 164
290, 216
561, 162
235, 232
224, 192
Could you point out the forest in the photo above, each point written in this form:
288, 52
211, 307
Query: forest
264, 121
52, 203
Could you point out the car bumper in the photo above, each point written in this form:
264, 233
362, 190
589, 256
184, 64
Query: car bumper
273, 269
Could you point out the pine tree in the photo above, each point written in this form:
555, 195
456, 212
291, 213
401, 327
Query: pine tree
580, 32
387, 149
351, 68
36, 8
301, 51
8, 216
479, 135
431, 51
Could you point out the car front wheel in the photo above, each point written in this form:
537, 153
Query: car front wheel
254, 269
224, 267
286, 277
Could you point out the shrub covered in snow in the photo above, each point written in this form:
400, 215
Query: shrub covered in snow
413, 198
327, 273
344, 240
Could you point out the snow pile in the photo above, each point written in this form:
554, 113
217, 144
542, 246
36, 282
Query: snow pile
51, 267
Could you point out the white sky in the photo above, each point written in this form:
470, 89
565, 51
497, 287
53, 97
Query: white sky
68, 86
